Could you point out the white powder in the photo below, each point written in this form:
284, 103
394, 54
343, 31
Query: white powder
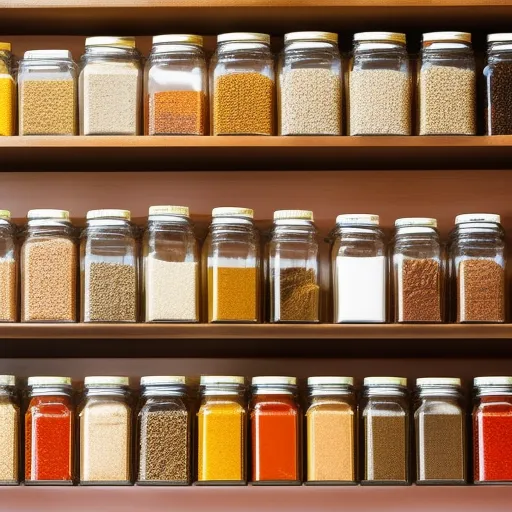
171, 291
360, 289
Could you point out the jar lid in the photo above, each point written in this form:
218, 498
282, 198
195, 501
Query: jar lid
477, 217
366, 219
5, 47
380, 36
117, 42
293, 214
235, 37
447, 36
311, 36
108, 214
492, 381
169, 210
500, 37
49, 381
179, 39
48, 55
154, 380
48, 214
328, 381
7, 380
385, 381
207, 380
232, 211
107, 381
5, 214
274, 381
438, 381
416, 221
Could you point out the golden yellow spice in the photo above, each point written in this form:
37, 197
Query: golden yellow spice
7, 102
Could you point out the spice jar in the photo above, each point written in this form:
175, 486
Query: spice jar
498, 75
164, 425
447, 85
492, 430
105, 417
222, 431
176, 86
48, 268
359, 269
440, 427
8, 269
477, 268
418, 271
7, 91
242, 85
110, 87
49, 431
231, 256
47, 83
331, 431
293, 273
9, 431
171, 266
385, 431
380, 85
310, 84
109, 267
275, 431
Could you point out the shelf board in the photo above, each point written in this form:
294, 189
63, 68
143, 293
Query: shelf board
253, 153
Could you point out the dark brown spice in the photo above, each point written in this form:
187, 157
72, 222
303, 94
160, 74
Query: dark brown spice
499, 98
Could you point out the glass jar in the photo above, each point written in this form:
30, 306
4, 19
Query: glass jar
110, 87
275, 431
47, 93
222, 431
440, 426
498, 76
418, 271
164, 438
380, 85
49, 432
49, 268
478, 268
385, 431
293, 273
310, 84
447, 85
105, 417
9, 431
492, 430
8, 268
171, 266
109, 265
231, 262
331, 431
7, 91
176, 86
242, 85
359, 269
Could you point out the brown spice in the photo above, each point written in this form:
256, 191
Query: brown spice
8, 288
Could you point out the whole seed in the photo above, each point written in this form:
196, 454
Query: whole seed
499, 99
9, 441
8, 290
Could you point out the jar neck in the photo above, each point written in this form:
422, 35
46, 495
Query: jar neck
160, 391
300, 228
223, 390
378, 47
111, 391
439, 392
330, 390
55, 390
385, 391
228, 225
306, 45
498, 47
503, 390
7, 390
50, 227
243, 46
171, 50
417, 233
484, 230
169, 222
357, 232
274, 389
111, 52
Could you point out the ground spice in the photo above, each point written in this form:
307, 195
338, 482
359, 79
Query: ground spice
9, 440
499, 98
480, 291
8, 290
243, 104
232, 294
7, 102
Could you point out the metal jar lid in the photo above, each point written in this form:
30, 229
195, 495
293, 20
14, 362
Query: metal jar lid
113, 41
243, 37
108, 214
182, 211
357, 219
293, 215
311, 36
231, 211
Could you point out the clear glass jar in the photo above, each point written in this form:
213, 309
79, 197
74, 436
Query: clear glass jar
7, 91
50, 432
109, 267
310, 84
110, 87
331, 431
418, 271
164, 432
8, 268
380, 85
49, 268
242, 85
47, 93
10, 448
276, 431
385, 432
222, 431
440, 427
359, 269
176, 86
293, 272
171, 266
105, 417
447, 85
498, 76
231, 264
478, 268
492, 430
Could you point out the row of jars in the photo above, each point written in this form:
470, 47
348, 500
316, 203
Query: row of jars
174, 283
108, 89
347, 440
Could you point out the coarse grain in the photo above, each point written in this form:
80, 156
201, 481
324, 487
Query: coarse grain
9, 441
310, 102
380, 102
8, 290
499, 98
7, 103
243, 104
447, 101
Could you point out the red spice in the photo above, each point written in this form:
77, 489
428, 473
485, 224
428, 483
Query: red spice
275, 439
49, 439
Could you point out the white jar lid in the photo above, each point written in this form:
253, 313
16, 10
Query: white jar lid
311, 36
109, 214
118, 42
330, 381
7, 380
500, 37
106, 381
169, 210
416, 221
236, 37
207, 380
5, 214
48, 214
178, 39
492, 381
385, 381
365, 219
438, 381
447, 36
293, 214
48, 55
162, 379
232, 211
274, 381
477, 217
49, 381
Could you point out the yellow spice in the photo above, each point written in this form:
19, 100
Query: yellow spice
7, 101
